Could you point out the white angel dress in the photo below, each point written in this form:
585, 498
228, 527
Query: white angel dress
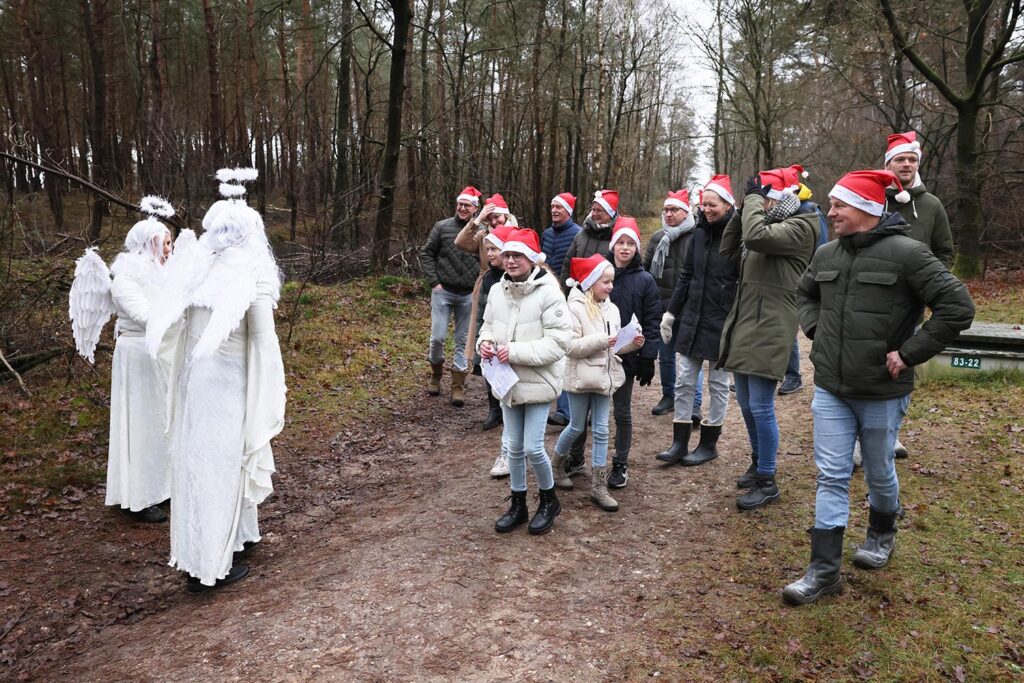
228, 391
138, 459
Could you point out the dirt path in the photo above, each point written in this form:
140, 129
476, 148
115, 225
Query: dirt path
380, 562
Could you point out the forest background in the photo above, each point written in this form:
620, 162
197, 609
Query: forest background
365, 118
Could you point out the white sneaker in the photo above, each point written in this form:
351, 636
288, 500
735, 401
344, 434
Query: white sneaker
500, 468
857, 459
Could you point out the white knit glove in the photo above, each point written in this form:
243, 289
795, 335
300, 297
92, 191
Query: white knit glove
667, 321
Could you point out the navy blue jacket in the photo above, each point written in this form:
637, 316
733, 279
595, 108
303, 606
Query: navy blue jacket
636, 293
555, 242
704, 292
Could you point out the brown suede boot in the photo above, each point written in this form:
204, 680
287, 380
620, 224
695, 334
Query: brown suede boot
458, 381
434, 383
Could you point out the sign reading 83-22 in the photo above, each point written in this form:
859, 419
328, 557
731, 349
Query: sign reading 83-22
966, 362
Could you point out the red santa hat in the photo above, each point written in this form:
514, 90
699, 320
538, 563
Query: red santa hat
609, 201
524, 241
566, 200
500, 207
722, 186
782, 181
865, 190
900, 143
626, 226
680, 199
469, 194
585, 272
498, 235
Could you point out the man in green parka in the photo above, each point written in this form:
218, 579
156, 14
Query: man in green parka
860, 302
772, 238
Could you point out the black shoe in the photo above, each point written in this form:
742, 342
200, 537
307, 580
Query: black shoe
619, 476
548, 509
576, 464
900, 451
245, 552
761, 493
236, 573
822, 577
706, 450
666, 405
517, 514
152, 514
877, 548
558, 420
748, 478
680, 445
494, 417
790, 385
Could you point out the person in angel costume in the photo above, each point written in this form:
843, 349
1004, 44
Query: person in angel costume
227, 386
138, 462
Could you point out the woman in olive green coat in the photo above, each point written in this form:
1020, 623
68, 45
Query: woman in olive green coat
772, 239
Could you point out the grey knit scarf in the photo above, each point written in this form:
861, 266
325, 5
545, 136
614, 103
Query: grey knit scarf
670, 235
783, 209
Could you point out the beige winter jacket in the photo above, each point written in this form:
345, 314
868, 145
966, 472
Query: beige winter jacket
591, 366
532, 319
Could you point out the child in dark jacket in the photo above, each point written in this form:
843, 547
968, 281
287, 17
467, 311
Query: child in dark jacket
636, 293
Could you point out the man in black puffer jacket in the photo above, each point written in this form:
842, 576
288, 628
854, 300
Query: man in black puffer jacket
859, 301
635, 293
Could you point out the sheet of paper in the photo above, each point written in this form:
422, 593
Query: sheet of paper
626, 334
499, 375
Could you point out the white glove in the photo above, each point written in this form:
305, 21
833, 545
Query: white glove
667, 321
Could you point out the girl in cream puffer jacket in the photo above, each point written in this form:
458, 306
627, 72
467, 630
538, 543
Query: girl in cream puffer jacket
593, 370
526, 324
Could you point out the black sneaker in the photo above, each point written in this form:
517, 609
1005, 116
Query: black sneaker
575, 465
236, 573
666, 405
619, 476
152, 514
791, 385
761, 493
558, 420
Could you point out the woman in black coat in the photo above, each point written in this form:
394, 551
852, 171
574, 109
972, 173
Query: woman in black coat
701, 301
635, 293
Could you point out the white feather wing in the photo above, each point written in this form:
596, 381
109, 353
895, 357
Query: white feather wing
89, 304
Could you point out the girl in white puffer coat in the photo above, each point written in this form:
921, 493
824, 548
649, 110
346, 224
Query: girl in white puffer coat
593, 371
526, 324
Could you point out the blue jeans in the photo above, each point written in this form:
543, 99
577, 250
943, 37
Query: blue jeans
562, 405
838, 423
793, 368
667, 370
524, 425
444, 304
756, 396
578, 404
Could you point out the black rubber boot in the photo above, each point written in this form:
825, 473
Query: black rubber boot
680, 444
706, 450
822, 577
747, 479
517, 514
760, 494
877, 548
493, 418
696, 419
548, 509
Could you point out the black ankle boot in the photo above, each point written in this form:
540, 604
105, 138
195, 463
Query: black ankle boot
493, 418
664, 406
747, 479
822, 577
680, 444
877, 548
705, 450
517, 514
761, 493
548, 509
